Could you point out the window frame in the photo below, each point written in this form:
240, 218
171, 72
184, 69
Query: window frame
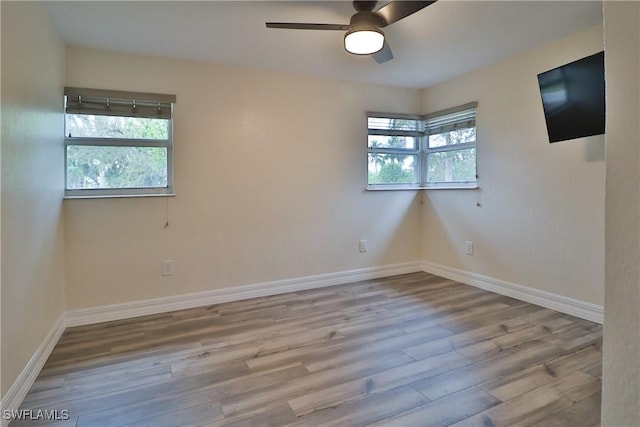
120, 142
416, 134
422, 149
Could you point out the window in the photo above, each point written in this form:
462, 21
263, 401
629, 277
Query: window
450, 148
432, 151
118, 143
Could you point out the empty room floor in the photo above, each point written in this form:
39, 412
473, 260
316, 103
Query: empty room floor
408, 350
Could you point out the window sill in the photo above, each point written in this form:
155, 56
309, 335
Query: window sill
461, 186
453, 186
117, 196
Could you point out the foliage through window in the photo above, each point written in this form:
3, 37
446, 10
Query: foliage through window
118, 143
436, 150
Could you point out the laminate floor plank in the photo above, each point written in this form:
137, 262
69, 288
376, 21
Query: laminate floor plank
508, 387
71, 422
584, 413
413, 349
537, 405
331, 349
275, 414
376, 383
143, 410
87, 386
464, 339
87, 404
594, 370
323, 360
321, 380
444, 411
187, 417
505, 363
141, 357
365, 411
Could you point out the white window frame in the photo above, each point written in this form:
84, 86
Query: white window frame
141, 101
427, 127
418, 134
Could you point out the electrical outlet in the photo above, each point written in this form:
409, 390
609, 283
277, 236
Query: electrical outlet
168, 267
468, 248
363, 246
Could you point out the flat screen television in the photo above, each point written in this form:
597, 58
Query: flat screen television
573, 98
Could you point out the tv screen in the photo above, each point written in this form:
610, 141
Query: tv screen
573, 98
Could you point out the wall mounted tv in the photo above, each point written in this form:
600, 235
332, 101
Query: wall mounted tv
573, 98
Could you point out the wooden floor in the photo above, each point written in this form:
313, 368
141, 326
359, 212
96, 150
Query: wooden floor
410, 350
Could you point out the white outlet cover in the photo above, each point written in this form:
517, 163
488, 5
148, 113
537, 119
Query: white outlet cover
168, 267
468, 248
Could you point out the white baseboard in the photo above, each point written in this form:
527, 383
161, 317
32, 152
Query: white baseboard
561, 303
21, 386
127, 310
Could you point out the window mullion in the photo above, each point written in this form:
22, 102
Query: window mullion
386, 132
424, 160
400, 151
117, 142
454, 147
170, 152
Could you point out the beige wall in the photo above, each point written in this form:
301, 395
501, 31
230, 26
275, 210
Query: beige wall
540, 222
621, 362
270, 171
32, 184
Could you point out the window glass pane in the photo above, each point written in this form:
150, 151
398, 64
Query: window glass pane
393, 124
452, 166
384, 141
392, 168
90, 126
115, 167
457, 136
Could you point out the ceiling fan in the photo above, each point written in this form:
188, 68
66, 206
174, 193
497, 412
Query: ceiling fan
363, 33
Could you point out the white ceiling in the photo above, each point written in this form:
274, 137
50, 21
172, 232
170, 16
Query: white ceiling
441, 41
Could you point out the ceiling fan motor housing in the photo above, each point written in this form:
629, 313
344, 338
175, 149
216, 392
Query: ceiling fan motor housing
367, 17
363, 6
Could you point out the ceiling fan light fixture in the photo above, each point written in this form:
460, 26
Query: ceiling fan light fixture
363, 40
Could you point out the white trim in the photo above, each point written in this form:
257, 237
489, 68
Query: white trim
392, 187
452, 186
21, 386
128, 310
117, 196
561, 303
444, 186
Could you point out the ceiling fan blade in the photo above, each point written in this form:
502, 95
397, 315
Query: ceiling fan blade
384, 54
302, 26
397, 10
